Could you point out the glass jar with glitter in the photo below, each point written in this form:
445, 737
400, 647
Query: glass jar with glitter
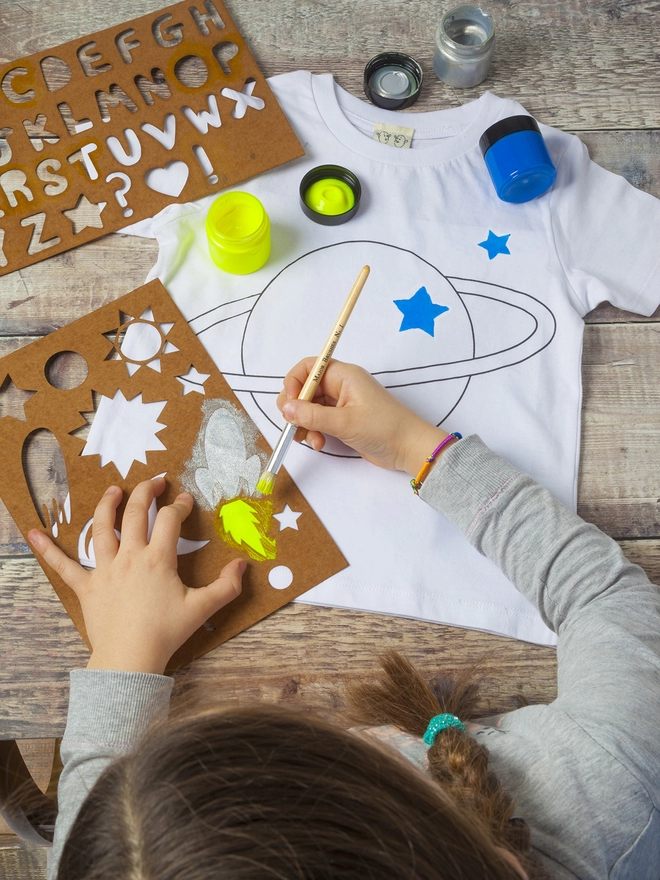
464, 43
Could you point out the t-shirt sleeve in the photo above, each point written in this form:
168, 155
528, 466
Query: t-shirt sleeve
607, 234
603, 607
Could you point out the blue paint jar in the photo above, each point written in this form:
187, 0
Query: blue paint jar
517, 159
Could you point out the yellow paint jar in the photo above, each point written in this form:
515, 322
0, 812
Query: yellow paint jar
238, 232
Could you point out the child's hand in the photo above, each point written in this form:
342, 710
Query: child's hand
352, 406
137, 610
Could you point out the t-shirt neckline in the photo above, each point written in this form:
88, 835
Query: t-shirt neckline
351, 121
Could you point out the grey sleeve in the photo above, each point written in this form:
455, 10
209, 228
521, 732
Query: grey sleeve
604, 609
108, 713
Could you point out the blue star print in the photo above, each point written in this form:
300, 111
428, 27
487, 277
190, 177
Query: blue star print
419, 312
495, 244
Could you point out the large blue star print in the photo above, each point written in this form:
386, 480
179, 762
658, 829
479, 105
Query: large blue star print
419, 312
495, 244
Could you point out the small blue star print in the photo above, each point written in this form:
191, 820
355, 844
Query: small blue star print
419, 312
495, 244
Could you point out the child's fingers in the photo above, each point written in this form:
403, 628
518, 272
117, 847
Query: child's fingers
319, 419
315, 439
71, 572
205, 601
136, 515
297, 376
103, 526
167, 527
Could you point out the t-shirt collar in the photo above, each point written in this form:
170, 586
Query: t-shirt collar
439, 135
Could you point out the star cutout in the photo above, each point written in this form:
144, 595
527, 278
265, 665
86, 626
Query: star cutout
193, 380
85, 214
419, 312
287, 518
495, 244
13, 399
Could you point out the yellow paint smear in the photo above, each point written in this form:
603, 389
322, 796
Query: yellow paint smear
244, 525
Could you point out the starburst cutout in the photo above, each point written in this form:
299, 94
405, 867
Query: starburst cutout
123, 431
13, 399
141, 342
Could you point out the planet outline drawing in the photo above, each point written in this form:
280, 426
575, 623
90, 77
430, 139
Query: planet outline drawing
544, 325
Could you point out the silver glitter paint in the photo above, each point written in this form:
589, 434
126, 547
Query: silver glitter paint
225, 460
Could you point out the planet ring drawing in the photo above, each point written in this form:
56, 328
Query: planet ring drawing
423, 334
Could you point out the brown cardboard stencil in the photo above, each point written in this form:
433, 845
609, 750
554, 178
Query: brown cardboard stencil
110, 128
128, 393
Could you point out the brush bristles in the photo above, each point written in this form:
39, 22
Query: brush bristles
266, 483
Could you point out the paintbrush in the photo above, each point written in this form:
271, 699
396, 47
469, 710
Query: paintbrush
267, 481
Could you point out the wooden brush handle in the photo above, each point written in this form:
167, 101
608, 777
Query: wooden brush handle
317, 371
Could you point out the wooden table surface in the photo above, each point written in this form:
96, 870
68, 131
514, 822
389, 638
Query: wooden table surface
586, 66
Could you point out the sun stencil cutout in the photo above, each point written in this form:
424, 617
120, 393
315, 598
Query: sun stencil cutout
141, 342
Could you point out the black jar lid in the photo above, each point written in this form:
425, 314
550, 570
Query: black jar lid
330, 172
392, 80
504, 127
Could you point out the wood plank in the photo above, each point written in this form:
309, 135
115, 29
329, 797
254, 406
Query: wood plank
580, 65
633, 154
303, 654
619, 484
646, 554
609, 314
20, 860
299, 656
50, 294
38, 755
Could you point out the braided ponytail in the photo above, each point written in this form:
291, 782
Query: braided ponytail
456, 760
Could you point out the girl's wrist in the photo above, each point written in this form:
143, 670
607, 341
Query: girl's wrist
118, 661
421, 446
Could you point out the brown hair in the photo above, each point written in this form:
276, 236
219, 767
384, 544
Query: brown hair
456, 760
263, 792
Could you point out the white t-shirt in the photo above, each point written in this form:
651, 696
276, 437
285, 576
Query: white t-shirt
472, 314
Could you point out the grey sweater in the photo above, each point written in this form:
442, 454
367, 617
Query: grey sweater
584, 771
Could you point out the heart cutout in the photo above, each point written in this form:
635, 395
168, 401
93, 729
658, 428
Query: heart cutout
169, 180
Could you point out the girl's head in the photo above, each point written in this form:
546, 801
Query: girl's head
261, 792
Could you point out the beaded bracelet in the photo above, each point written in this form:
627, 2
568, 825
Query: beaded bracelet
417, 481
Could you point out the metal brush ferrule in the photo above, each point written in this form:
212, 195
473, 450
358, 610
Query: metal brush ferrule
280, 451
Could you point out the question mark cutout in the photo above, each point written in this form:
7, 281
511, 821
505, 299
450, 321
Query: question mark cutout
120, 193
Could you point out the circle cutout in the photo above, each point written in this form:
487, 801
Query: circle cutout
66, 370
280, 577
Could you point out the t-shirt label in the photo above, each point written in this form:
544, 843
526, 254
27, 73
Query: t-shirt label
393, 135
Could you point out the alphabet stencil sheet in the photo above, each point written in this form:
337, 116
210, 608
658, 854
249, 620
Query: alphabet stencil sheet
121, 123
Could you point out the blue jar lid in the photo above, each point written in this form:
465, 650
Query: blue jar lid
517, 159
504, 127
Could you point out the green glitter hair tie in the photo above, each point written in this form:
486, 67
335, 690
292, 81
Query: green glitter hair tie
438, 723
